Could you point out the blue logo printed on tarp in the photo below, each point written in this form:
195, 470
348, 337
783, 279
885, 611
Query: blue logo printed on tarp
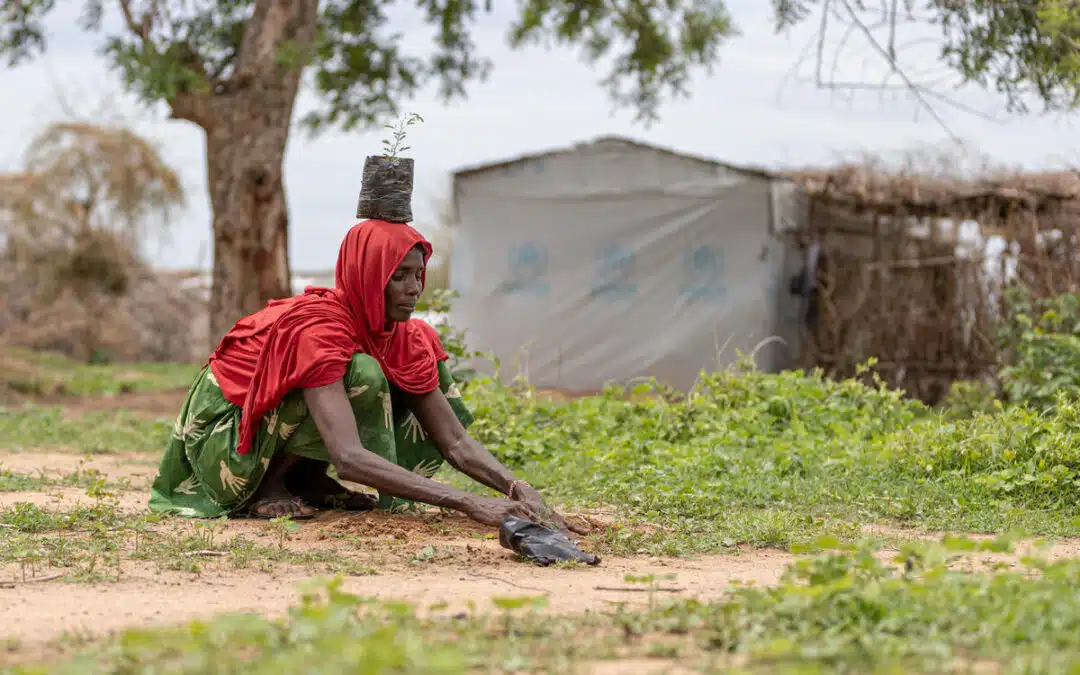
527, 270
616, 271
704, 273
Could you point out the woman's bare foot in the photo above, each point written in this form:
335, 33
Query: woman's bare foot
275, 507
308, 479
273, 499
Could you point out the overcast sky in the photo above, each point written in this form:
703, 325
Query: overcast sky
754, 110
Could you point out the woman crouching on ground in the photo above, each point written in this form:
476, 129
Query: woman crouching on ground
337, 376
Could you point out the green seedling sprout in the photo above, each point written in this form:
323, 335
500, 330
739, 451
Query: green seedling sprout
510, 604
395, 145
282, 526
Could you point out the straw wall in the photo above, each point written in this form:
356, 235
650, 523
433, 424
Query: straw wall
897, 282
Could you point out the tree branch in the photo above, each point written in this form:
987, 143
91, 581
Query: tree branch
273, 26
895, 67
196, 108
140, 28
857, 18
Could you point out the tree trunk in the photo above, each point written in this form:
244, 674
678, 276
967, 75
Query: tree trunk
247, 120
251, 219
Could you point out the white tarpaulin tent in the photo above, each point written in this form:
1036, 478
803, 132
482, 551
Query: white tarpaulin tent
614, 260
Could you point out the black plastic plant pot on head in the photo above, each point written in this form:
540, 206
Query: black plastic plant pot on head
540, 544
386, 191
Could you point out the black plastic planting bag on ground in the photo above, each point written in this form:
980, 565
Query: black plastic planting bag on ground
386, 191
540, 544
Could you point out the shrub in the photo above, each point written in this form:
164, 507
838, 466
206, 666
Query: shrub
1041, 348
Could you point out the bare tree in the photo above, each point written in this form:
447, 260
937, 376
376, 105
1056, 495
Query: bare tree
72, 221
1027, 51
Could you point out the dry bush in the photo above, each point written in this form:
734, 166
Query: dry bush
152, 320
71, 225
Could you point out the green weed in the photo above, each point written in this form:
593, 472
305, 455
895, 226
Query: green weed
94, 543
747, 458
791, 460
780, 459
14, 481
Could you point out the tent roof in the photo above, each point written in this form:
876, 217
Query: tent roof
611, 139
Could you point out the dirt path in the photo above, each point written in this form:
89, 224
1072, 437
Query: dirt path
426, 560
38, 612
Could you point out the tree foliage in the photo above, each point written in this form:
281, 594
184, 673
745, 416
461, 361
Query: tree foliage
1024, 50
360, 66
1027, 51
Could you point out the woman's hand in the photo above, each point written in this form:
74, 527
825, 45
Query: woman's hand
527, 494
493, 511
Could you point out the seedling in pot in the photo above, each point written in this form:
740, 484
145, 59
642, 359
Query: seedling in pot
391, 148
387, 184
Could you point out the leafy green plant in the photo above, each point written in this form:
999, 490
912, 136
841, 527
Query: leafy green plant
792, 460
745, 458
395, 145
970, 397
283, 526
651, 583
1040, 342
777, 459
511, 605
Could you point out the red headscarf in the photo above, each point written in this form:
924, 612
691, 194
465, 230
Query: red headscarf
307, 341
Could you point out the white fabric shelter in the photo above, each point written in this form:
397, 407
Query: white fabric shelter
614, 260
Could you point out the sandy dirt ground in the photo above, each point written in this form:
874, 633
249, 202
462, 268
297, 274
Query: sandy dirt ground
430, 559
468, 567
465, 567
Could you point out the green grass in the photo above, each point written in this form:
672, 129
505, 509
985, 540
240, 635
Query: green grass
97, 542
15, 481
768, 460
28, 372
98, 432
12, 481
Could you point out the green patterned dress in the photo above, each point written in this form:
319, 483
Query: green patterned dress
202, 476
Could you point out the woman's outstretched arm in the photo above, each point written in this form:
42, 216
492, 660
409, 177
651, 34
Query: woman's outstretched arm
334, 419
468, 456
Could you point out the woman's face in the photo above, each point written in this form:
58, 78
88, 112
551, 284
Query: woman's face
405, 287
